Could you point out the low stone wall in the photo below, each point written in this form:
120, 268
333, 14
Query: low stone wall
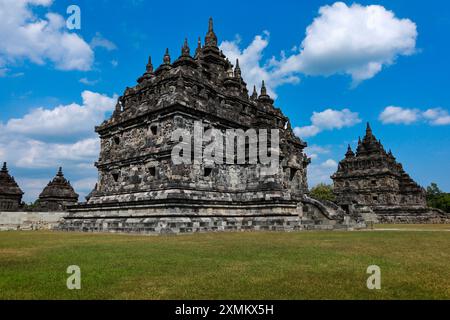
413, 216
181, 217
30, 220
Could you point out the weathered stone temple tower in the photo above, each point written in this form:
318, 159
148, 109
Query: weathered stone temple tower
57, 195
373, 178
10, 193
141, 189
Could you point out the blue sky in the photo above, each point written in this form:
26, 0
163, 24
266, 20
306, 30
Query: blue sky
346, 63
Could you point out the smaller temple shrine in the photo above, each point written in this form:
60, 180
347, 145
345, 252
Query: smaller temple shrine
10, 193
371, 178
57, 195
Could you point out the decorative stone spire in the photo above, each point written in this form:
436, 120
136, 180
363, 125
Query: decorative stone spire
263, 89
10, 193
199, 47
185, 51
166, 59
368, 130
349, 152
254, 94
211, 38
149, 67
237, 70
264, 97
57, 194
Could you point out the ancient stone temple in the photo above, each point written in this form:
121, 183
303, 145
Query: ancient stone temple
57, 195
141, 189
373, 178
10, 193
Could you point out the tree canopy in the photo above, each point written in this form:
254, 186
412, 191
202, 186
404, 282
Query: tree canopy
436, 198
323, 191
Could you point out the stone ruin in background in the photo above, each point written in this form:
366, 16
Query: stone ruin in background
10, 193
57, 195
371, 180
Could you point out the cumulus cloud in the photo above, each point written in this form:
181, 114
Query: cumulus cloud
437, 116
353, 40
314, 151
328, 119
65, 120
26, 36
63, 135
400, 115
250, 61
321, 173
46, 138
356, 40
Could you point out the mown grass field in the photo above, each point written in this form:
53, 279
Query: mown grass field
304, 265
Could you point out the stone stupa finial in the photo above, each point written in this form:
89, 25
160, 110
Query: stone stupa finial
185, 50
368, 129
263, 89
166, 58
254, 94
199, 47
149, 67
237, 70
349, 152
211, 38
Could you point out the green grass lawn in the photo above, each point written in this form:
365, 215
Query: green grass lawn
263, 265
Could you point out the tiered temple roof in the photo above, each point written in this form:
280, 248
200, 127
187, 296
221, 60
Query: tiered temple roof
372, 176
10, 192
58, 193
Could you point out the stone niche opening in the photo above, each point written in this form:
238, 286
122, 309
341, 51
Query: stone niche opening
154, 129
293, 173
152, 171
117, 140
115, 176
207, 172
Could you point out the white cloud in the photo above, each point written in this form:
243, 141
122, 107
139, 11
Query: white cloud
29, 153
314, 151
250, 61
393, 114
100, 42
437, 116
65, 120
32, 187
24, 35
328, 119
355, 40
64, 135
399, 115
321, 173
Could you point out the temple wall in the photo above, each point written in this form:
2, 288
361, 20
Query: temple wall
10, 203
118, 173
30, 220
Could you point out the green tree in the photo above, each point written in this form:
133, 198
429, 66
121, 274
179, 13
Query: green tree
323, 192
433, 189
436, 198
